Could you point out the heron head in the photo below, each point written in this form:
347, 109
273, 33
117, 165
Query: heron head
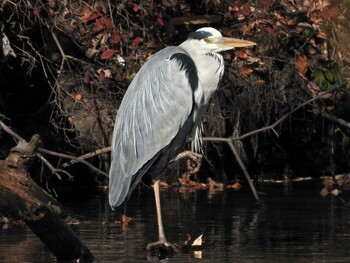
208, 39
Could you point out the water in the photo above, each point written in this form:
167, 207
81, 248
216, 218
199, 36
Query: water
295, 224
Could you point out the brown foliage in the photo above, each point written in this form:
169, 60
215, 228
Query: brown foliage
94, 48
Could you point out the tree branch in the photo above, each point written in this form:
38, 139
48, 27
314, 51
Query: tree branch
60, 155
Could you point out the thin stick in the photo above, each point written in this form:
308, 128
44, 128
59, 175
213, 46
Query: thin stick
60, 155
244, 169
73, 158
273, 125
87, 156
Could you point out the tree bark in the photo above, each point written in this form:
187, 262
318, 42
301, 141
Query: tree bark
57, 235
22, 198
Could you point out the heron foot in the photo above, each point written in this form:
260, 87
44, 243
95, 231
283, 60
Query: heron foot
194, 161
163, 246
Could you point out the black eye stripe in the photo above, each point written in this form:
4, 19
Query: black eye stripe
199, 35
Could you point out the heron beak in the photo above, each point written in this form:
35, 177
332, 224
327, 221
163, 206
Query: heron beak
227, 42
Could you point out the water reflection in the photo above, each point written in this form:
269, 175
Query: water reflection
295, 224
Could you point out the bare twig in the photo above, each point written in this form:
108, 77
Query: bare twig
335, 119
229, 140
73, 158
42, 158
9, 131
273, 125
60, 155
87, 156
244, 169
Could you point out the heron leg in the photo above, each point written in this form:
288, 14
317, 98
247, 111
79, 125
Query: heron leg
162, 240
192, 158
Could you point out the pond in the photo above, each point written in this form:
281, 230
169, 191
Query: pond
294, 224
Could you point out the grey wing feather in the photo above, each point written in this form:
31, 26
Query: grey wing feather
157, 103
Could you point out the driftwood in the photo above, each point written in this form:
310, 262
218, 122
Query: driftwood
18, 191
57, 235
22, 198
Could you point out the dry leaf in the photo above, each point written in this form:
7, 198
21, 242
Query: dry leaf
331, 12
115, 38
247, 28
198, 241
213, 184
321, 35
324, 192
107, 53
246, 70
335, 192
108, 73
328, 182
290, 22
77, 96
313, 42
126, 219
278, 23
101, 76
136, 41
104, 73
118, 77
271, 30
245, 9
85, 13
36, 11
198, 254
305, 25
125, 222
312, 5
236, 185
163, 185
160, 20
243, 53
94, 15
86, 78
108, 23
121, 60
260, 82
301, 64
91, 52
98, 25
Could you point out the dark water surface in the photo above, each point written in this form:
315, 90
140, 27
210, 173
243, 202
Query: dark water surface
295, 224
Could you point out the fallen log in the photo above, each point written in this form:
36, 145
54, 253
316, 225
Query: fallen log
22, 198
18, 191
57, 235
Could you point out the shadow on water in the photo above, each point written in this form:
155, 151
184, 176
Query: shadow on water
294, 224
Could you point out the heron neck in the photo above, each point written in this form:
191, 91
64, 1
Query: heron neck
210, 69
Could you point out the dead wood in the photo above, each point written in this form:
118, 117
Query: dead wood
18, 191
57, 235
72, 159
22, 198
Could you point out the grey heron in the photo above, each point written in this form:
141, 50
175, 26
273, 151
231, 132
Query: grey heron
161, 108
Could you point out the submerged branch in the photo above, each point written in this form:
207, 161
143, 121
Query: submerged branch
244, 169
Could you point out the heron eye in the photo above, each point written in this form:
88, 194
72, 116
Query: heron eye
206, 40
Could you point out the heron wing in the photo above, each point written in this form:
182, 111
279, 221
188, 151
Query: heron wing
156, 105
